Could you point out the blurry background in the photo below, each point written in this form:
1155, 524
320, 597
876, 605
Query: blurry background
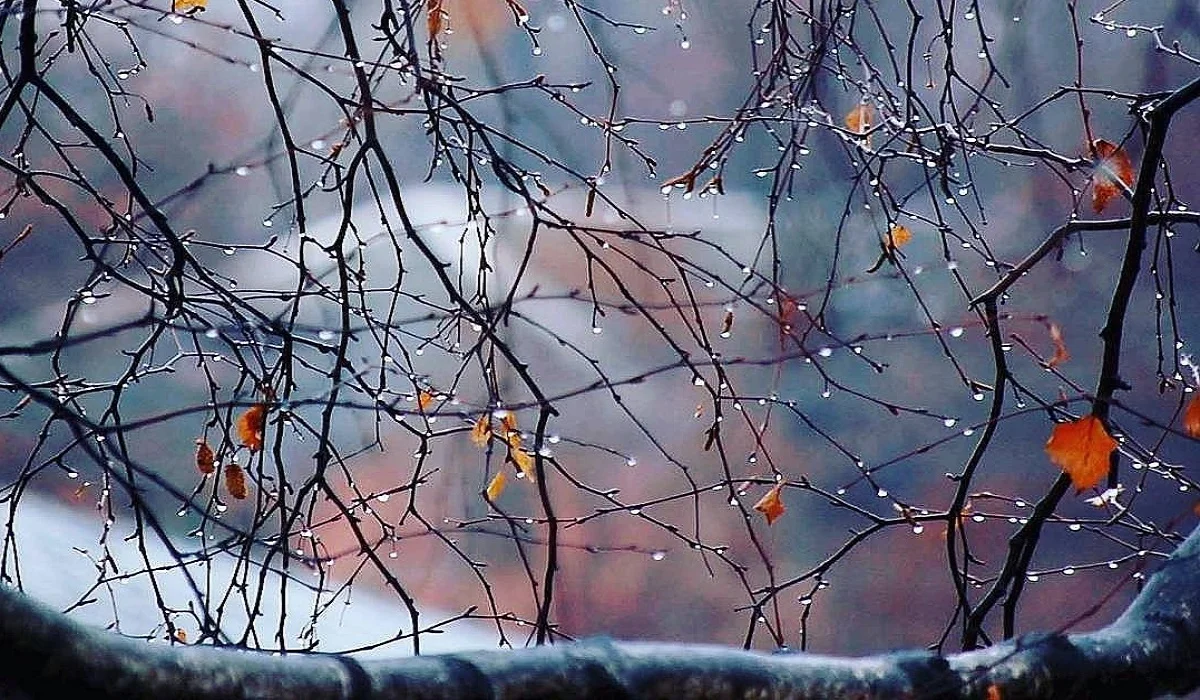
650, 319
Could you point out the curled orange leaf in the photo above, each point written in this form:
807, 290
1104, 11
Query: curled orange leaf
1061, 354
205, 459
860, 119
897, 236
771, 505
424, 398
1191, 417
1112, 173
496, 486
250, 427
1081, 448
235, 481
185, 5
481, 432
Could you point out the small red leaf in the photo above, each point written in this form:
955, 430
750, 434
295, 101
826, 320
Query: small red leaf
1191, 418
205, 459
235, 481
1112, 173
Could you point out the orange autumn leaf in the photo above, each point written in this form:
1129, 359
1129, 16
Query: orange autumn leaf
235, 481
250, 427
1061, 354
1112, 174
897, 236
181, 635
424, 398
205, 459
771, 505
860, 119
1191, 417
524, 462
481, 432
1081, 448
185, 5
496, 486
993, 692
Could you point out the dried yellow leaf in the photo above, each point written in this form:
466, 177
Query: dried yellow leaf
482, 431
496, 486
524, 462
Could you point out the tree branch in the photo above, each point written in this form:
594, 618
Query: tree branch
1150, 650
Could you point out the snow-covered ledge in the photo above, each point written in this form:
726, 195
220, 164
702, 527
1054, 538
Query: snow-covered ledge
1152, 649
